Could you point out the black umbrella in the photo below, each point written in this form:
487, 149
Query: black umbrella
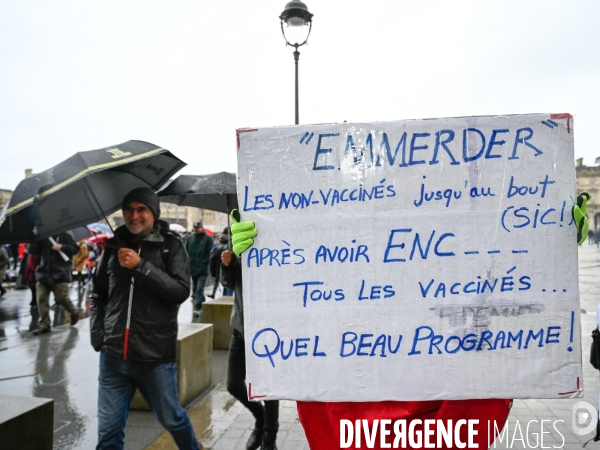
83, 189
80, 233
215, 192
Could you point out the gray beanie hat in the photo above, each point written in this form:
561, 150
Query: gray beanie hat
144, 195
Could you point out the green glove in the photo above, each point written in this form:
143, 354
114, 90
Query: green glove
580, 216
242, 233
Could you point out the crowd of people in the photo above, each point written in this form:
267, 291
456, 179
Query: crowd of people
136, 282
141, 276
37, 267
18, 264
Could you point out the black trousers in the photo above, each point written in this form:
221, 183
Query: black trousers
266, 416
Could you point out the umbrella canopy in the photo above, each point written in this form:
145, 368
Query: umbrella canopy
215, 192
80, 233
99, 228
177, 228
83, 189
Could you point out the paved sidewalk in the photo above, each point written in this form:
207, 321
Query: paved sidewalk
222, 423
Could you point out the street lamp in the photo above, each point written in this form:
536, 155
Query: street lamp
298, 23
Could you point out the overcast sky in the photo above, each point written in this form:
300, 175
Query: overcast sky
184, 74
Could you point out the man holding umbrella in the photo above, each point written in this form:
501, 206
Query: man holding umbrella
142, 278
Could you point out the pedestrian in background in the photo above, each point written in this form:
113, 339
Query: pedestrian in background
53, 274
91, 260
31, 262
141, 279
266, 414
4, 260
198, 246
14, 252
79, 260
223, 244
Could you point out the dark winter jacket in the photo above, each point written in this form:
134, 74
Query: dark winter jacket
198, 246
4, 258
52, 268
215, 256
161, 282
231, 277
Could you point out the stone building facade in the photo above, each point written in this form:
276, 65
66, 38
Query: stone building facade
184, 216
5, 195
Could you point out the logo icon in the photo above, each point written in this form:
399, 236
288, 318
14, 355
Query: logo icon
156, 170
65, 215
584, 418
116, 153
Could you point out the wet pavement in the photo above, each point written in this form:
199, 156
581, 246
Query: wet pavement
63, 366
58, 365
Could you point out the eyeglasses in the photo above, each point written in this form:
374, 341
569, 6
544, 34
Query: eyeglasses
140, 210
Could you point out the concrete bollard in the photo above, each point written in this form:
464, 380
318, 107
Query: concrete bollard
26, 423
218, 312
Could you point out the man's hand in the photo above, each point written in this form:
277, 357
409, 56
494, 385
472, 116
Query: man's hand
242, 233
226, 257
57, 247
128, 258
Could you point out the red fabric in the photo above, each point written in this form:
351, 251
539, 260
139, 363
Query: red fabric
126, 344
21, 251
32, 262
321, 420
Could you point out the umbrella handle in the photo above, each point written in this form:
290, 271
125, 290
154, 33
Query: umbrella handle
228, 222
229, 235
60, 252
101, 210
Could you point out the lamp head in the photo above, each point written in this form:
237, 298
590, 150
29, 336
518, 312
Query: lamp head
298, 22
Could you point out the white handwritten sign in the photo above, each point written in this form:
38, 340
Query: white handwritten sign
413, 260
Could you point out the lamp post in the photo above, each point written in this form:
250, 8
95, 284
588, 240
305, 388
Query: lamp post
298, 23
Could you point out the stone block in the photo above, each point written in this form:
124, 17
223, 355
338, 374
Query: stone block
26, 423
218, 312
194, 364
224, 298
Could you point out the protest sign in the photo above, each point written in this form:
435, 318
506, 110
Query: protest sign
412, 260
